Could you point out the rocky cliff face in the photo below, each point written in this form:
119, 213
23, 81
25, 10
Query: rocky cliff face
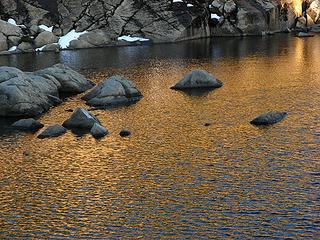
160, 21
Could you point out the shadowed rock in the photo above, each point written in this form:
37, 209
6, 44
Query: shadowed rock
114, 91
29, 124
98, 131
81, 119
269, 118
198, 79
52, 131
125, 133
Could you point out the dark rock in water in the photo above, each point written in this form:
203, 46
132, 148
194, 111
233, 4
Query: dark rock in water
125, 133
198, 79
52, 131
98, 131
269, 118
26, 153
207, 124
81, 119
27, 124
31, 94
114, 91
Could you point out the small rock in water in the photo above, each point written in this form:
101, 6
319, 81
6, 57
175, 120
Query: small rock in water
207, 124
81, 119
29, 124
269, 118
52, 131
125, 133
26, 153
98, 131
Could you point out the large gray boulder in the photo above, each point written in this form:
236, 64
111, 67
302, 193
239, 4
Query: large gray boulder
70, 80
31, 94
3, 42
116, 90
81, 119
269, 118
9, 29
28, 124
45, 38
52, 132
198, 79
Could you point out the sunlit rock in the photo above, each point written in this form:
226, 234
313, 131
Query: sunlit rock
269, 118
28, 124
52, 132
98, 131
81, 119
116, 90
198, 79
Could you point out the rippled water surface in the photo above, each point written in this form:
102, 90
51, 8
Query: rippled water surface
174, 177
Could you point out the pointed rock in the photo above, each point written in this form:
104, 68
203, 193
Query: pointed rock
52, 132
81, 119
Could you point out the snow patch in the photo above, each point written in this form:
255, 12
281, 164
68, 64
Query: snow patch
44, 27
215, 16
132, 39
12, 21
12, 49
64, 41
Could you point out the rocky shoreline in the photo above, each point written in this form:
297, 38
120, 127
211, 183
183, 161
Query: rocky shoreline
39, 25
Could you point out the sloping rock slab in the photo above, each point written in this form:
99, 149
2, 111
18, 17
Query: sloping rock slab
114, 91
81, 119
198, 79
269, 118
52, 132
70, 80
28, 124
31, 94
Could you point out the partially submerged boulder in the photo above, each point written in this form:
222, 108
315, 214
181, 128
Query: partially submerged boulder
81, 119
269, 118
198, 79
31, 94
45, 38
28, 124
52, 131
114, 91
98, 131
70, 80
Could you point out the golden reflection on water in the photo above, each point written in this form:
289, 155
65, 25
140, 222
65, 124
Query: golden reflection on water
175, 177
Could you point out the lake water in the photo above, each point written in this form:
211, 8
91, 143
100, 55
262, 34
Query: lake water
174, 178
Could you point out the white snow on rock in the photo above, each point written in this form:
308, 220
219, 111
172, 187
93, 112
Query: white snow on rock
177, 1
132, 39
40, 48
215, 16
66, 39
12, 21
44, 27
12, 49
189, 5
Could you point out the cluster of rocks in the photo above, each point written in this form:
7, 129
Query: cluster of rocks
103, 23
31, 94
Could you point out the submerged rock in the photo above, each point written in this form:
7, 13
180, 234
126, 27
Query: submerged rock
81, 119
114, 91
52, 131
305, 34
98, 131
31, 94
125, 133
29, 124
269, 118
198, 79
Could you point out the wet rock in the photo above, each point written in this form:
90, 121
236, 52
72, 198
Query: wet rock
45, 38
81, 119
98, 131
53, 47
52, 132
114, 91
125, 133
198, 79
269, 118
28, 124
305, 34
70, 80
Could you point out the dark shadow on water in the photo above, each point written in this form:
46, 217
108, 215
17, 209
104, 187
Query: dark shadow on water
196, 92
